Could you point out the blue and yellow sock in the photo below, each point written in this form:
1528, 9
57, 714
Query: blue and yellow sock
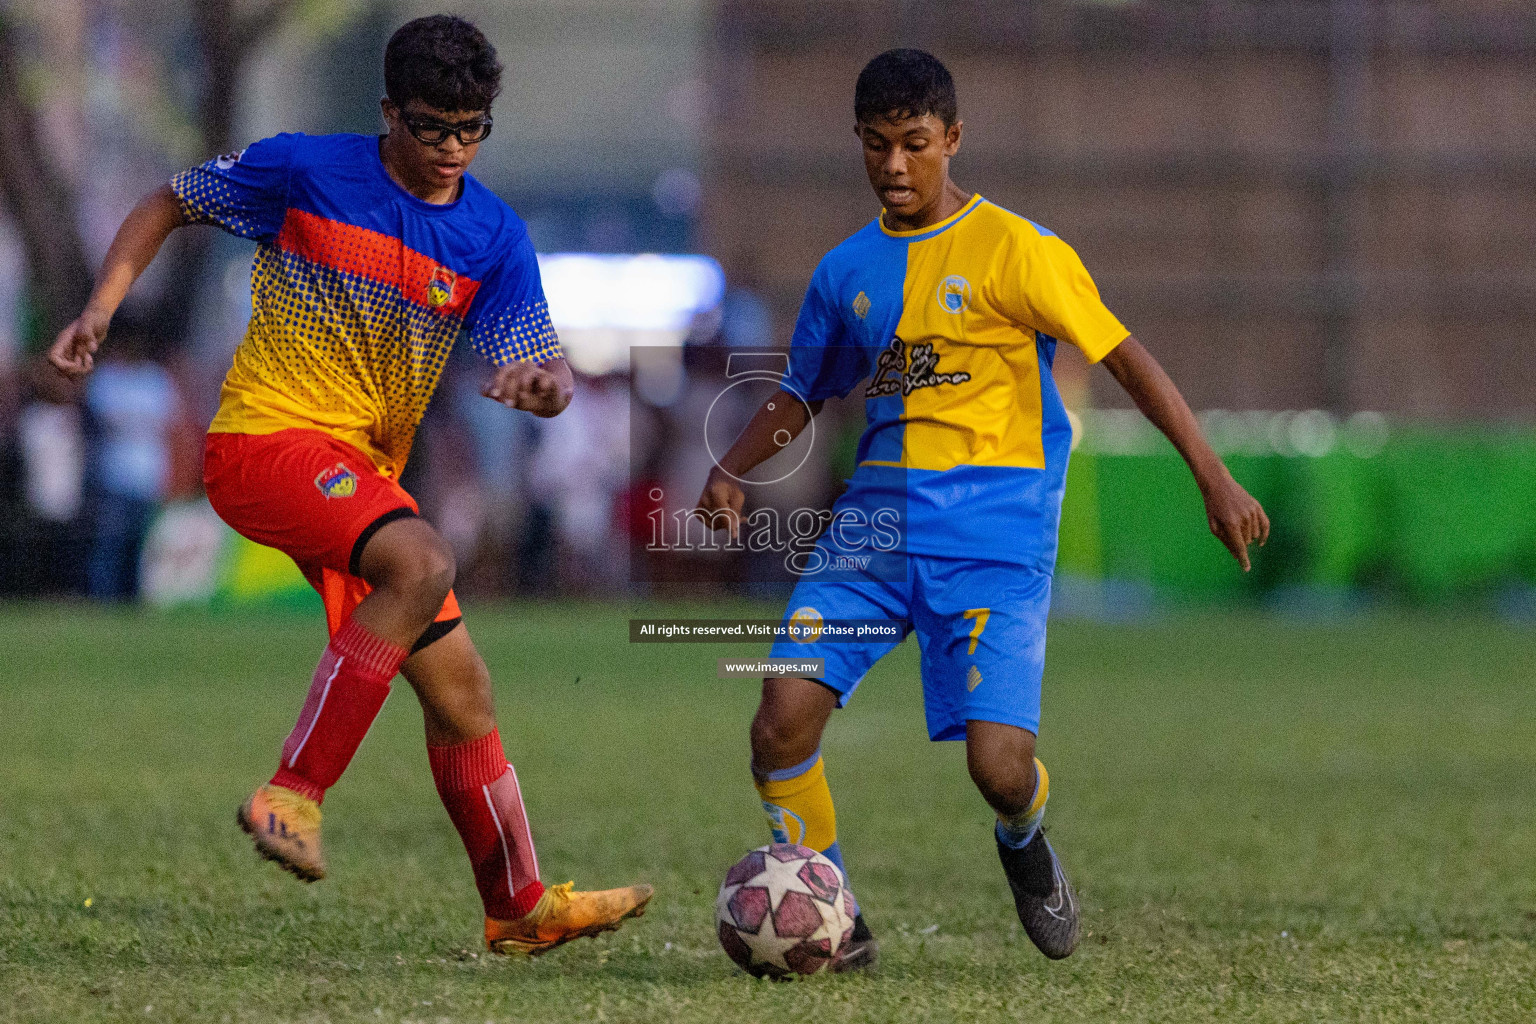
798, 803
1017, 831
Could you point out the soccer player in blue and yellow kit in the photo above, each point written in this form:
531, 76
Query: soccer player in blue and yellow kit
953, 308
373, 255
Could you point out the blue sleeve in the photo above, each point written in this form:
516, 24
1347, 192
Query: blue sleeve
823, 361
509, 320
245, 193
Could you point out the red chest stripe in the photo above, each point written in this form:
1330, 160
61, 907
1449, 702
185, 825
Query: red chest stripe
378, 257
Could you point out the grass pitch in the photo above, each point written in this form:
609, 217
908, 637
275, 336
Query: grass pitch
1267, 820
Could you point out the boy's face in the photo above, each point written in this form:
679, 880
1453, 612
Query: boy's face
439, 164
908, 161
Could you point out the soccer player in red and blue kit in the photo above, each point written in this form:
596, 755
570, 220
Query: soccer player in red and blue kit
373, 254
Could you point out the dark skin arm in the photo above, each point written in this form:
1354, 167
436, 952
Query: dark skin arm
756, 445
1233, 515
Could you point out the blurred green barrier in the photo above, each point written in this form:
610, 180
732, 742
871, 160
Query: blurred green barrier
1418, 513
191, 558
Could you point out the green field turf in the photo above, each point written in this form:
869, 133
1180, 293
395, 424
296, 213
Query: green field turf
1267, 820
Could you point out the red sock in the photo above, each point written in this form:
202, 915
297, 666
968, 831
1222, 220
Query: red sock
480, 790
345, 696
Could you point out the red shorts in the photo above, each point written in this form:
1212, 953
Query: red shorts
314, 498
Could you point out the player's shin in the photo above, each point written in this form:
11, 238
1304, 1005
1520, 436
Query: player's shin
345, 695
1017, 830
480, 791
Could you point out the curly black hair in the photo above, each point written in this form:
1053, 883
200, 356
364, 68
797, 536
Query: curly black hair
444, 61
905, 83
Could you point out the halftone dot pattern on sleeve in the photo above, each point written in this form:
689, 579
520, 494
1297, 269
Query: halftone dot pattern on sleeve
521, 335
207, 197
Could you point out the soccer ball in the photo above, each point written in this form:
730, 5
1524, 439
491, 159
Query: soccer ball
783, 910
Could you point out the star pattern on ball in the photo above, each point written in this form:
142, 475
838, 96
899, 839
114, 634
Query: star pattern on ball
769, 947
783, 910
778, 882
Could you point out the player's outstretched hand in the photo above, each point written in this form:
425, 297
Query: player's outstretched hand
1234, 516
73, 352
722, 499
542, 390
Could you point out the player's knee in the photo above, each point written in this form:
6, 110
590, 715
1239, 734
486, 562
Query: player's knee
454, 687
1004, 772
787, 727
411, 559
422, 574
436, 572
777, 738
429, 578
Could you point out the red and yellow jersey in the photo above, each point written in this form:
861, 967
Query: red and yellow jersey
359, 289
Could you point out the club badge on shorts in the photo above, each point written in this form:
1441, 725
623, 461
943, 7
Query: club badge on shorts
337, 482
440, 287
805, 625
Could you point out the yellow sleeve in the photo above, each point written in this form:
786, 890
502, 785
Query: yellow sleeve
1046, 288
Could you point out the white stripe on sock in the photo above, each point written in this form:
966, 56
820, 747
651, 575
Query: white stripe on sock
527, 832
321, 707
506, 855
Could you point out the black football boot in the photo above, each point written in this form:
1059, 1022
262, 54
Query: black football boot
861, 951
1042, 895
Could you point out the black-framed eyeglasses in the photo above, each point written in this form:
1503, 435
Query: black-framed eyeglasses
429, 131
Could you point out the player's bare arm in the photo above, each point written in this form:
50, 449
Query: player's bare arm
772, 428
1234, 516
145, 230
542, 389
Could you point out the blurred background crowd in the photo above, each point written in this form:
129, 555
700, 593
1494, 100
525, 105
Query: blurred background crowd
1319, 215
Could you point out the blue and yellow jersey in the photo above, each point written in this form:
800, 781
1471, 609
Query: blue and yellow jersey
954, 328
359, 289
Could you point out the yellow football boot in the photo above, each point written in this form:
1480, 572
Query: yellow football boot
562, 915
286, 828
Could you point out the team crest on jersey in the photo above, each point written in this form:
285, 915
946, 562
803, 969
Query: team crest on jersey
955, 293
337, 482
805, 625
861, 305
440, 287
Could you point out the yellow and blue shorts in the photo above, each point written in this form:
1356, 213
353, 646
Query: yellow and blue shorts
980, 624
